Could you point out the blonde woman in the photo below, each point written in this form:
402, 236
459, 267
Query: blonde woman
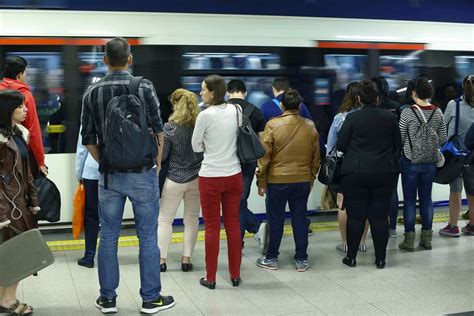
181, 183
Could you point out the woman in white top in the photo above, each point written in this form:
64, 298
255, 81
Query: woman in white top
220, 178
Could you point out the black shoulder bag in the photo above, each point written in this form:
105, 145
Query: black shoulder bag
249, 148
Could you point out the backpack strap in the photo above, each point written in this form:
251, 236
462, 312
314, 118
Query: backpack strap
249, 110
134, 85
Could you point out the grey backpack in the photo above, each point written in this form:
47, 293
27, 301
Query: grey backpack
425, 146
128, 141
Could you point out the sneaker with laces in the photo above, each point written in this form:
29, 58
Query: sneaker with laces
262, 236
301, 265
451, 231
106, 306
271, 264
160, 304
468, 229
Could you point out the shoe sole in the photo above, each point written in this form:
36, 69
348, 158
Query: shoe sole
266, 267
103, 310
156, 309
302, 270
468, 233
449, 234
407, 249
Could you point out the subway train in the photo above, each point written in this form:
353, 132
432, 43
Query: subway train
64, 50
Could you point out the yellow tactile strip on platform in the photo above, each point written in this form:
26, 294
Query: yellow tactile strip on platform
129, 241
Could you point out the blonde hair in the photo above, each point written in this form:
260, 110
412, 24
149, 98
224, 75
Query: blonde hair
185, 105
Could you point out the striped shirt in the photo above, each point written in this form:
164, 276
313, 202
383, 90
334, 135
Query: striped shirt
94, 106
409, 125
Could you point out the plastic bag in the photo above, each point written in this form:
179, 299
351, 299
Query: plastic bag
79, 210
49, 199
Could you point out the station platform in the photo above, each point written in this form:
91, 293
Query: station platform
436, 282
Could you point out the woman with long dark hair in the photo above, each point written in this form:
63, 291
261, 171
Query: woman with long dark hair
370, 140
220, 177
18, 195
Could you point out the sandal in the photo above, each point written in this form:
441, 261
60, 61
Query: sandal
12, 310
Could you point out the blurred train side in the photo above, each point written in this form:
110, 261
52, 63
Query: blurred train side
302, 48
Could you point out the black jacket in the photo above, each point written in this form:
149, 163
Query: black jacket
469, 140
257, 120
371, 142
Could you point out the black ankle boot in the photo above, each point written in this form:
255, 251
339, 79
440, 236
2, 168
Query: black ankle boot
163, 267
380, 263
350, 262
235, 281
185, 267
206, 283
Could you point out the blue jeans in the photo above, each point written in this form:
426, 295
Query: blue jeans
417, 177
248, 221
296, 194
143, 192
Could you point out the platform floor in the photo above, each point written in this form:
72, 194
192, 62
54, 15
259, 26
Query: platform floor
434, 282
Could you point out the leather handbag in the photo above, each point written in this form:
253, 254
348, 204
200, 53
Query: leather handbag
330, 171
455, 154
249, 148
22, 256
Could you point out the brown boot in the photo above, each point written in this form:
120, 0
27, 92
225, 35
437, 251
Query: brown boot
426, 237
408, 243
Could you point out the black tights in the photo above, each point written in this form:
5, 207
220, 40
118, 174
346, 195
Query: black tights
367, 196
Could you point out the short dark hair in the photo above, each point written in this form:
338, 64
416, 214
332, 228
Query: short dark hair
281, 84
14, 65
382, 86
368, 92
291, 100
423, 89
9, 101
236, 85
216, 84
117, 51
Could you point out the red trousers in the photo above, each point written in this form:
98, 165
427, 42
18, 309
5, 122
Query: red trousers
214, 192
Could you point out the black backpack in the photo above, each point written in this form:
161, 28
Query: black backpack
128, 141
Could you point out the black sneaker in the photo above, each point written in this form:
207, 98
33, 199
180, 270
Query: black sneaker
106, 306
161, 303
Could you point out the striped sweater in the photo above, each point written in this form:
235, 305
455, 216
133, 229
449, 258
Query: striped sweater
409, 125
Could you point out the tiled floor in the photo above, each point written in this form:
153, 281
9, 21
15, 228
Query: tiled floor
433, 282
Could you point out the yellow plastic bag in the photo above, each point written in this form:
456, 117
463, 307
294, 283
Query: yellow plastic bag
79, 209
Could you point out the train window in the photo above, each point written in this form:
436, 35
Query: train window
464, 67
91, 68
46, 78
398, 69
347, 67
259, 88
220, 61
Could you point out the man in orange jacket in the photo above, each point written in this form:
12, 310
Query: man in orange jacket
14, 78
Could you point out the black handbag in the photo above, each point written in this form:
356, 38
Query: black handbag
468, 175
249, 148
49, 199
455, 155
330, 171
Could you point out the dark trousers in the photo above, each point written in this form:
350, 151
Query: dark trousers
368, 196
296, 195
393, 213
248, 221
91, 216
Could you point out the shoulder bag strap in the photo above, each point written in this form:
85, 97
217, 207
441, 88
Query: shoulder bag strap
248, 110
456, 125
290, 138
134, 85
421, 112
277, 103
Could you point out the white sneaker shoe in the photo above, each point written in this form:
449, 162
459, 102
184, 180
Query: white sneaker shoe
262, 236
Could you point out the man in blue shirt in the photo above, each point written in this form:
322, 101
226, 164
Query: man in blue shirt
272, 108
